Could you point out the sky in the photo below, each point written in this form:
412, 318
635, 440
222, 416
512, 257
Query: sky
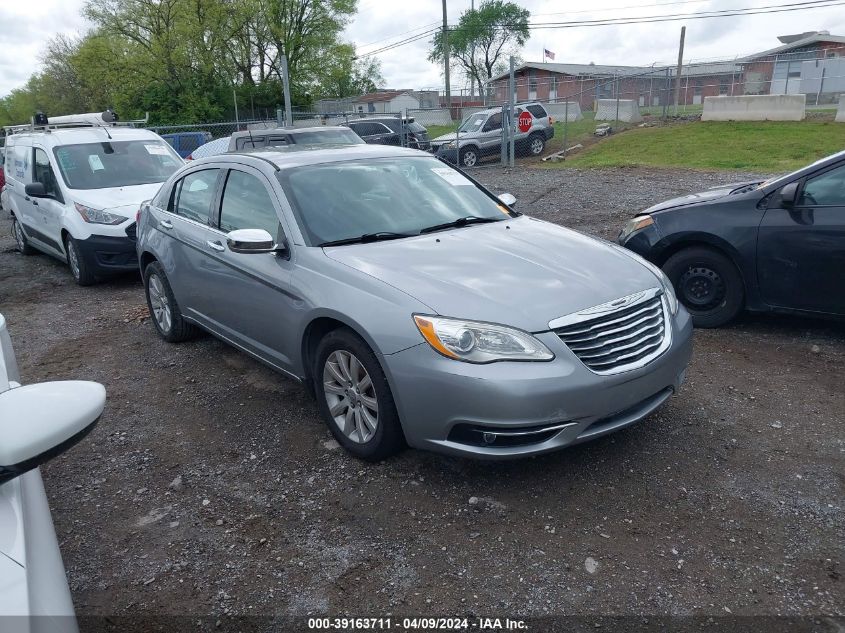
26, 27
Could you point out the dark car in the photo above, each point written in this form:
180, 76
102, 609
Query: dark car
279, 137
186, 142
387, 130
2, 173
777, 245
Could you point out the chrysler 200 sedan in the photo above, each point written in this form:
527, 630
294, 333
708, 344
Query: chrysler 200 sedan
419, 308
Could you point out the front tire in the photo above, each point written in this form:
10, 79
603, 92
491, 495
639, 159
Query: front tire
708, 284
354, 398
78, 266
21, 242
164, 310
468, 157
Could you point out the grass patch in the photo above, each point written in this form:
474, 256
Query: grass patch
766, 146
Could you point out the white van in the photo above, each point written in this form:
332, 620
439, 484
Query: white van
75, 184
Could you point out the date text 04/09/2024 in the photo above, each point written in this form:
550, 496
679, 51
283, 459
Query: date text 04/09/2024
417, 624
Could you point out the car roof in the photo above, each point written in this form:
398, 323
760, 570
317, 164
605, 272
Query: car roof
79, 135
289, 130
301, 155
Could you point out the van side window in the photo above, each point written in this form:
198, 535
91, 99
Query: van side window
43, 173
196, 194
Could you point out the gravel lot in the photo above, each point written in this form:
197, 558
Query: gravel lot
211, 487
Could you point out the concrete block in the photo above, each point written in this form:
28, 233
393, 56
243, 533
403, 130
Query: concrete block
755, 108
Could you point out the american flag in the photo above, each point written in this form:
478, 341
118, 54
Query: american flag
548, 54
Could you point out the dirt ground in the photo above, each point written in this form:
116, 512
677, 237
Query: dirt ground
211, 487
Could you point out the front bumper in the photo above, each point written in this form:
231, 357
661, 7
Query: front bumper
527, 408
643, 242
107, 255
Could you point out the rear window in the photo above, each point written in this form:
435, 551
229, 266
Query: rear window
537, 111
327, 137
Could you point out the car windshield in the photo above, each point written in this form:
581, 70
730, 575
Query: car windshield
328, 137
116, 163
398, 196
473, 123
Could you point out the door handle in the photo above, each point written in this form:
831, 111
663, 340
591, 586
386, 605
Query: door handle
217, 246
166, 224
35, 203
27, 198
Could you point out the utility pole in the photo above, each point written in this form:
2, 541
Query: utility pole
446, 58
286, 86
680, 67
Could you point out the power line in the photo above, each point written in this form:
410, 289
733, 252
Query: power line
424, 26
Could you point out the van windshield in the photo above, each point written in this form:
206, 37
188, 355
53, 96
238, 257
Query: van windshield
116, 163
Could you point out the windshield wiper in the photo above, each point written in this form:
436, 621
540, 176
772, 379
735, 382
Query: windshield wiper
368, 237
465, 221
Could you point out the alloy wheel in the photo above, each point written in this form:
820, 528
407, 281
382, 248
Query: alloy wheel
72, 258
350, 396
469, 159
159, 303
20, 238
536, 146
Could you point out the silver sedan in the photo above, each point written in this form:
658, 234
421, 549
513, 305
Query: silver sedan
418, 307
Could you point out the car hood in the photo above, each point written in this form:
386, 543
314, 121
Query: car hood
714, 193
521, 272
119, 200
445, 138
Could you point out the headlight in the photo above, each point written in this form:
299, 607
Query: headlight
668, 290
476, 342
95, 216
635, 224
451, 145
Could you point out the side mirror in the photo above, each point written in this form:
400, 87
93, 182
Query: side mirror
248, 241
40, 421
788, 194
36, 190
507, 199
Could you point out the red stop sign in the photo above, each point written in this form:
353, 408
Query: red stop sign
524, 122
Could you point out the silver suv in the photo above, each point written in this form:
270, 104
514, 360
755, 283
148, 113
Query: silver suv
480, 135
418, 307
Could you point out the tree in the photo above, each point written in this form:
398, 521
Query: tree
484, 38
348, 76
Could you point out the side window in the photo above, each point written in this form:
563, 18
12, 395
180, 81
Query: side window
277, 141
252, 142
21, 157
494, 122
827, 190
247, 205
196, 194
43, 172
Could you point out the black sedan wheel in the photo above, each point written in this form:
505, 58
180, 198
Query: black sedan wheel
707, 283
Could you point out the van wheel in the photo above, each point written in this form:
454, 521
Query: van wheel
78, 266
354, 398
166, 315
20, 239
469, 157
708, 284
536, 144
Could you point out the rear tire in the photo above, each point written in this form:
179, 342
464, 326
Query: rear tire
536, 144
164, 310
20, 238
707, 284
78, 266
354, 398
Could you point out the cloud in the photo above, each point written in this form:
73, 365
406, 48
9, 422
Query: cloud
28, 26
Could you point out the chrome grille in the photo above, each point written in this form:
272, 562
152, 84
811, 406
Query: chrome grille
617, 336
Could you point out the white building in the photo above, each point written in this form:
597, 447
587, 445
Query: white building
386, 101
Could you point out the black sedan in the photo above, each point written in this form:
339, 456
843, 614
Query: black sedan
777, 245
